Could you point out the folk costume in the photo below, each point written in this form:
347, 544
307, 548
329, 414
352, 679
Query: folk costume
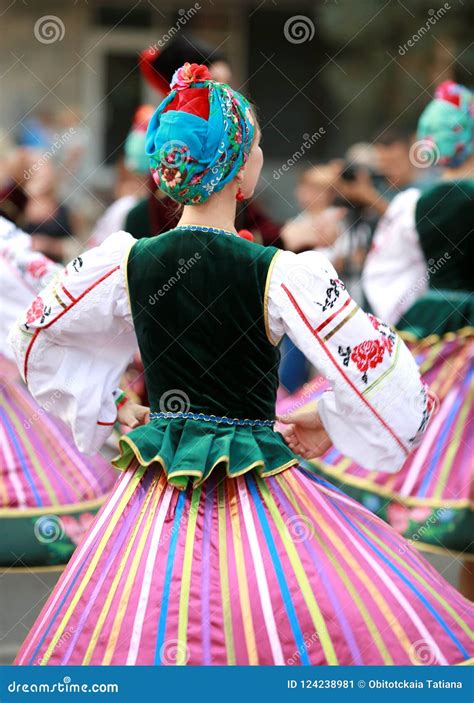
218, 545
418, 277
49, 492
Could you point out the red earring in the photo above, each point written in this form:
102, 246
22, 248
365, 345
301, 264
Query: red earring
239, 195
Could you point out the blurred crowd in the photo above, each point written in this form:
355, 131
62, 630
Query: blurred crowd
338, 202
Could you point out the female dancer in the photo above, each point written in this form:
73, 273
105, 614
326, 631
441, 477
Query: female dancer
218, 546
49, 493
419, 277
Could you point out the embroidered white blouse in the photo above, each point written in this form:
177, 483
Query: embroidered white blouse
77, 338
23, 273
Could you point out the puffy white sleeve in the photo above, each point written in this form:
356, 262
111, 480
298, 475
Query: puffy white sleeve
378, 406
75, 340
23, 273
395, 272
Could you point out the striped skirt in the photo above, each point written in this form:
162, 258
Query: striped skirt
283, 570
49, 492
431, 500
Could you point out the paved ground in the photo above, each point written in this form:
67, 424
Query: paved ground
22, 597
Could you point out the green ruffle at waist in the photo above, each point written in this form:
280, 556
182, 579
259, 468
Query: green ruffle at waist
192, 449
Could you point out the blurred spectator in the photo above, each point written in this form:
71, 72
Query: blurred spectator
45, 218
319, 225
391, 166
136, 178
14, 163
37, 130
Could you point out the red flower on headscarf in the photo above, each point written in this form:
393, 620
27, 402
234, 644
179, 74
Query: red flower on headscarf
368, 354
189, 74
449, 91
35, 310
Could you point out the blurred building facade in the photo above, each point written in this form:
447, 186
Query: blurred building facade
335, 68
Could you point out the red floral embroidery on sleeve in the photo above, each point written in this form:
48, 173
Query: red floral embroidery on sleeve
37, 311
368, 354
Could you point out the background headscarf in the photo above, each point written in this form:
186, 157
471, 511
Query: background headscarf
135, 157
447, 123
199, 136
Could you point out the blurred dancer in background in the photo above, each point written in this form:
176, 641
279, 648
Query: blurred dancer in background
418, 276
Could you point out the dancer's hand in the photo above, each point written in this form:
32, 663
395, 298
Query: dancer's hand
132, 414
304, 433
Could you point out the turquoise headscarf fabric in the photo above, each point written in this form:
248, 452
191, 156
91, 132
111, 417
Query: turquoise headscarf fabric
447, 124
199, 137
136, 159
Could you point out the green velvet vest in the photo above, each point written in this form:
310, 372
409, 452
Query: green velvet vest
199, 311
445, 225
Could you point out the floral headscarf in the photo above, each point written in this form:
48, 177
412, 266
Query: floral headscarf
199, 136
447, 123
